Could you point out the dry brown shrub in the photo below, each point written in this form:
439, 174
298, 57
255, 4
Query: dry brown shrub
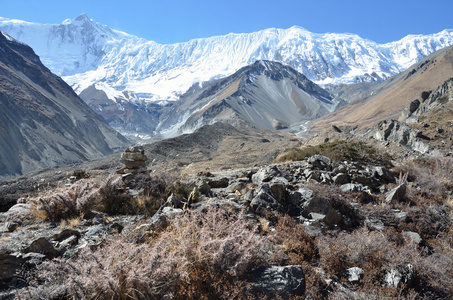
298, 245
198, 256
433, 176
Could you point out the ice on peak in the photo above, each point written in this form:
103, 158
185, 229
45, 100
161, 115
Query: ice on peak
80, 20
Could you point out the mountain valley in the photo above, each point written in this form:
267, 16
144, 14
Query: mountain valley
280, 164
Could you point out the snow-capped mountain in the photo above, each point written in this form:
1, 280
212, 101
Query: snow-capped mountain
85, 52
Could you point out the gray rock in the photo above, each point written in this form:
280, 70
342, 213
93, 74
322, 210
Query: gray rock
396, 194
321, 206
374, 224
320, 162
266, 174
351, 187
341, 179
43, 246
384, 175
264, 202
354, 274
9, 265
394, 131
281, 281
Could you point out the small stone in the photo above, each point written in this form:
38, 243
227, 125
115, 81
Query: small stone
11, 226
351, 187
277, 280
354, 274
374, 224
396, 194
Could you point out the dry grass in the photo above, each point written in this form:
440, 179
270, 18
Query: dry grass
199, 256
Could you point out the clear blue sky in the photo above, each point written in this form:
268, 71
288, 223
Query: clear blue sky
171, 21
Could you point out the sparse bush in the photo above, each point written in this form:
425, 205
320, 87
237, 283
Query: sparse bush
338, 150
113, 198
198, 255
67, 203
433, 176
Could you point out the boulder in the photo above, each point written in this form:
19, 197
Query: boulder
43, 246
9, 265
264, 202
396, 194
266, 174
321, 206
278, 281
320, 162
394, 131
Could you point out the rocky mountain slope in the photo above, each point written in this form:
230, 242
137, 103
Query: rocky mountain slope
388, 99
44, 123
85, 52
265, 94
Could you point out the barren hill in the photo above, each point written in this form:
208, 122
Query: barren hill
387, 100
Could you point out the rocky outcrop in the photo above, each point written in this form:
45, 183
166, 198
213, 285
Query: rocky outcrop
396, 132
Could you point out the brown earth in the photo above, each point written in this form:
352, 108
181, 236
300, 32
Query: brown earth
392, 96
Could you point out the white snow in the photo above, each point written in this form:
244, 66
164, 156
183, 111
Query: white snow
84, 52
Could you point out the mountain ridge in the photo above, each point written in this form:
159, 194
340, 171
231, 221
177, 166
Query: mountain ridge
163, 72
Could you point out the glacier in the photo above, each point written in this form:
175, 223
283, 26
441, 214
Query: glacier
85, 52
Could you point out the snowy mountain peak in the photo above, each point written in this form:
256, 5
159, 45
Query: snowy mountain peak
79, 21
86, 52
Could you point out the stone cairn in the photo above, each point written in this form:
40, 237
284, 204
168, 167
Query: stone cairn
134, 160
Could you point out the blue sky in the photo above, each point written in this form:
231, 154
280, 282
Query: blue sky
170, 21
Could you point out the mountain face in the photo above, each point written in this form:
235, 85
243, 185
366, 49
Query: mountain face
123, 111
387, 100
265, 94
85, 52
43, 122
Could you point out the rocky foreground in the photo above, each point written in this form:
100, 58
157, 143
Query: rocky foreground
343, 221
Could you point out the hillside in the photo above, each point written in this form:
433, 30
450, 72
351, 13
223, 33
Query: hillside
388, 99
44, 123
